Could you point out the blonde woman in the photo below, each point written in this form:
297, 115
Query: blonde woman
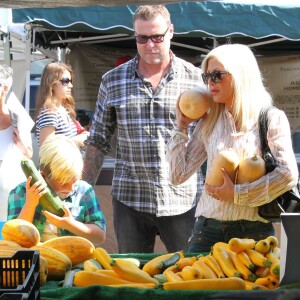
61, 166
233, 78
55, 106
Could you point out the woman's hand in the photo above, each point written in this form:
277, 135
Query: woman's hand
182, 121
224, 192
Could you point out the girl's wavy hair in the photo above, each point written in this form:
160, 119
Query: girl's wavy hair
52, 74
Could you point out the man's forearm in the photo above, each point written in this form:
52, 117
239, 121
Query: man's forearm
93, 161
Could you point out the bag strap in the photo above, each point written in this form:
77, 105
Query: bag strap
263, 129
267, 156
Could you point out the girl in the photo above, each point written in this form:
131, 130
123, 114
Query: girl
55, 106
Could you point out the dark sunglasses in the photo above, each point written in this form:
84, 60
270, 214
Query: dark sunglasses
65, 81
156, 38
215, 76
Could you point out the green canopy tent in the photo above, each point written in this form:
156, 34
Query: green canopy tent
270, 28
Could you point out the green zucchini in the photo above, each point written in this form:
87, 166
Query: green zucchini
69, 277
161, 278
169, 262
49, 201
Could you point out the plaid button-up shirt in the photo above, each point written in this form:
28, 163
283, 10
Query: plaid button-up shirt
144, 119
82, 203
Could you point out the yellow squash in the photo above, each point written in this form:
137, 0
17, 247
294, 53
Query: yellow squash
258, 259
103, 258
204, 268
58, 263
152, 267
77, 248
131, 273
221, 255
191, 273
22, 232
88, 278
227, 159
237, 244
233, 283
251, 168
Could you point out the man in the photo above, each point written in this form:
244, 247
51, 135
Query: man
138, 101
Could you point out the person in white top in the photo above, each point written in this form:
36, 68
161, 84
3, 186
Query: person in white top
234, 80
14, 144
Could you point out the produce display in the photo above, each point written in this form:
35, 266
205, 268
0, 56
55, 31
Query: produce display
240, 264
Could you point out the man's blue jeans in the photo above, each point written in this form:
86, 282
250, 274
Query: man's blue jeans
207, 232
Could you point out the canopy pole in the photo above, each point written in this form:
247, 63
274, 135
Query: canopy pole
61, 54
27, 65
7, 54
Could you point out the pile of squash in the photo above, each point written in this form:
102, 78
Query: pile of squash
240, 264
247, 169
57, 256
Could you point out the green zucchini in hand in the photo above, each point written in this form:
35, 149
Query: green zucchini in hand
49, 201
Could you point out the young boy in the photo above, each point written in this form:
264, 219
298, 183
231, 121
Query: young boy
61, 166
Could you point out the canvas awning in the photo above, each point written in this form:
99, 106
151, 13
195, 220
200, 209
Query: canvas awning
59, 3
197, 24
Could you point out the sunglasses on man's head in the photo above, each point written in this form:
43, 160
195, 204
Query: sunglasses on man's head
65, 81
215, 76
156, 38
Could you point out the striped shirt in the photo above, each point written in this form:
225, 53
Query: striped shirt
185, 158
144, 120
82, 203
58, 119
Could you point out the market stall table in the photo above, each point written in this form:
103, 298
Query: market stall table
52, 291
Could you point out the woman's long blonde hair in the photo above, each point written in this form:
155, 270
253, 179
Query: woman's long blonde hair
45, 98
249, 92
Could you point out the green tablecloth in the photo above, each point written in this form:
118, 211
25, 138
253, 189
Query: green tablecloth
52, 291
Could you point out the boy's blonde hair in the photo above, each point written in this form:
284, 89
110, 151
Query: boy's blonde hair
60, 159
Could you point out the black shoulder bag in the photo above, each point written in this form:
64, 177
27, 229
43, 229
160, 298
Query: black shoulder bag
289, 201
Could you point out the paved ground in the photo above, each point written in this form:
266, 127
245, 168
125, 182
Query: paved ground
103, 193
